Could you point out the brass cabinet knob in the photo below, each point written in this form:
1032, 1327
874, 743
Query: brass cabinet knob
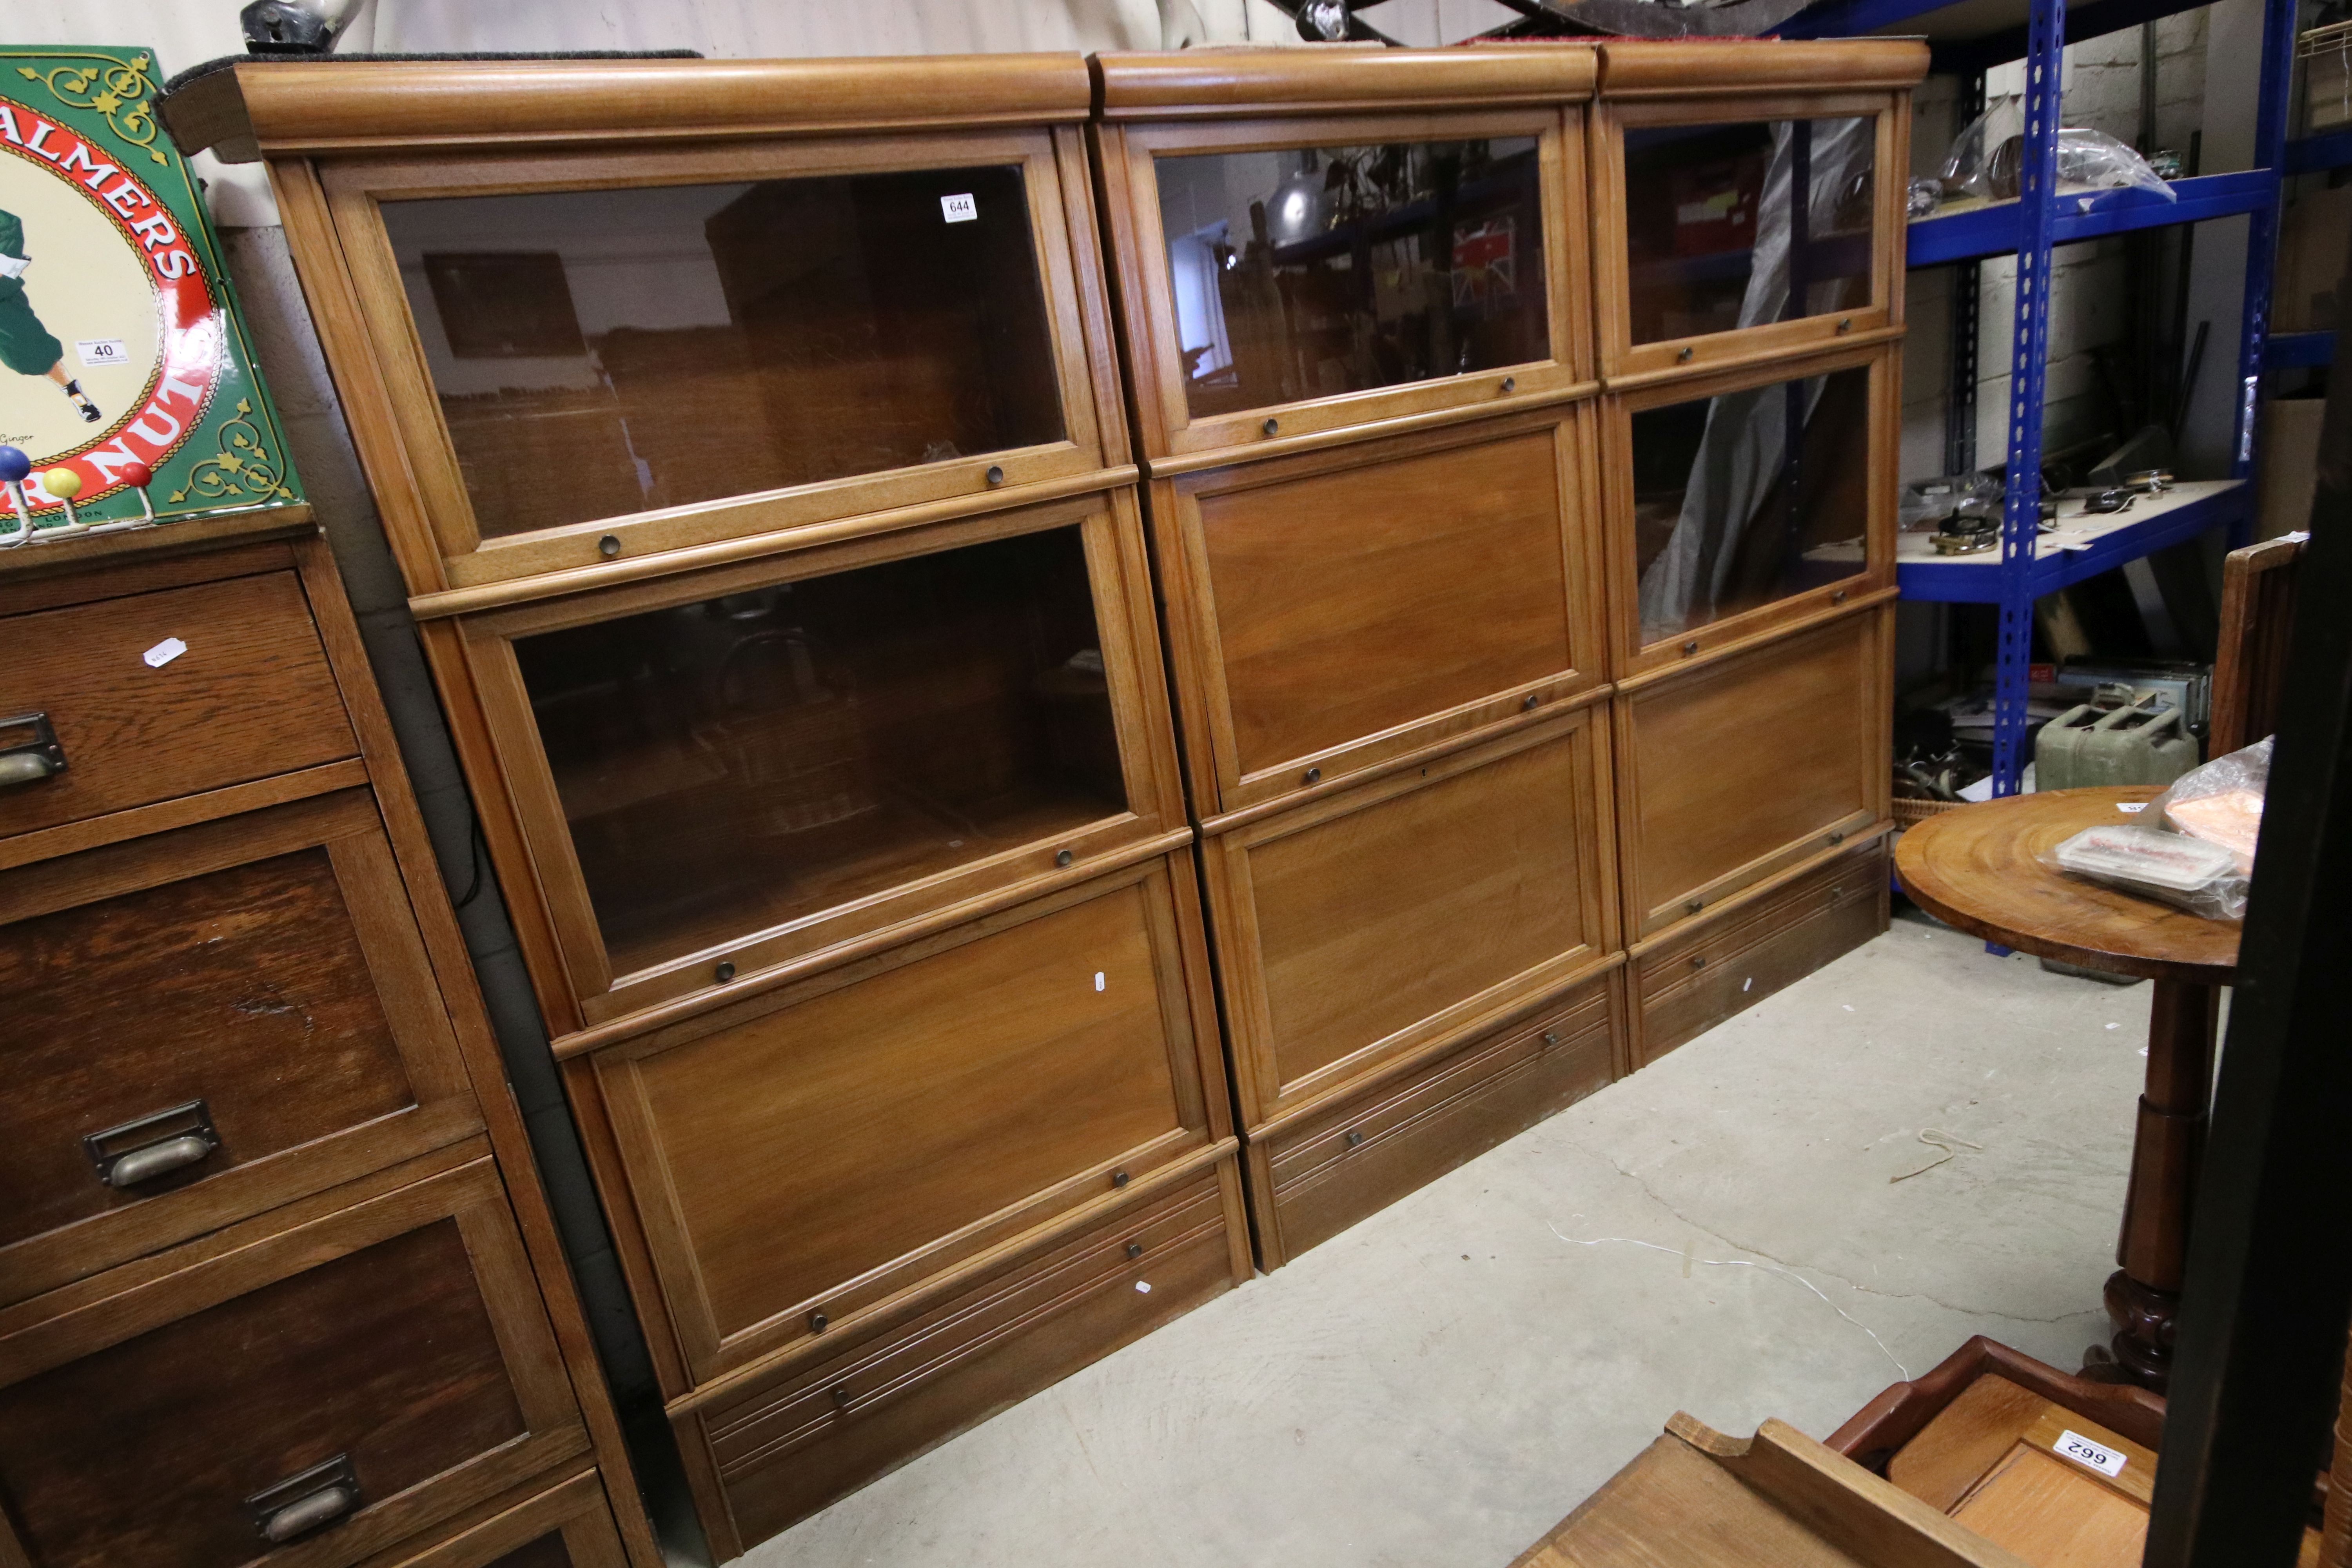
608, 546
1271, 426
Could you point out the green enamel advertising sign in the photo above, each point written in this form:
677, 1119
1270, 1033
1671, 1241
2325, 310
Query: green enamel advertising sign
126, 381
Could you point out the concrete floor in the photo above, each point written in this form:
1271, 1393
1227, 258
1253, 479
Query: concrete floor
1721, 1232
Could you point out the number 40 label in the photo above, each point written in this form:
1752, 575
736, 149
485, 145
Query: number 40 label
959, 209
2082, 1450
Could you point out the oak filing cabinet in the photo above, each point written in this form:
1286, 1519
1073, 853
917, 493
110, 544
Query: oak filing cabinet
1355, 292
750, 437
277, 1278
1747, 263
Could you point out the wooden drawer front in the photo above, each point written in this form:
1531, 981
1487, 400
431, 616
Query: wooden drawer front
1724, 965
1340, 1165
1410, 911
257, 982
252, 696
1362, 601
886, 1122
792, 1445
566, 1526
1748, 765
402, 1335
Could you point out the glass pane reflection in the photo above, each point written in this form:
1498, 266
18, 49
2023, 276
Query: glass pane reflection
1742, 225
1745, 498
602, 352
1307, 272
730, 765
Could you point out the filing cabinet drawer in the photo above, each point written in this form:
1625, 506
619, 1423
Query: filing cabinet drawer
250, 697
306, 1397
795, 1442
1313, 1177
1336, 609
566, 1526
803, 1158
1418, 909
204, 1024
1723, 966
1745, 765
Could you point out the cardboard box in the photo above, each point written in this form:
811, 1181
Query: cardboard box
2315, 240
2286, 464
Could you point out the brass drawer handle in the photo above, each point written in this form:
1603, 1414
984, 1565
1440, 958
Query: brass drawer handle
303, 1503
154, 1145
30, 761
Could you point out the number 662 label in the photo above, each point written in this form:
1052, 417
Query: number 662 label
2082, 1450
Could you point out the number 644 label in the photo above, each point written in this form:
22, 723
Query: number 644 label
2082, 1450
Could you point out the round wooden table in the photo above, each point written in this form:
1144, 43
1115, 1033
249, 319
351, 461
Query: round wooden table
1976, 868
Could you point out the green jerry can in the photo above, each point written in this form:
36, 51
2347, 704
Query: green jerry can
2139, 744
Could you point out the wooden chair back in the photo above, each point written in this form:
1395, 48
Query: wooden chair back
2249, 659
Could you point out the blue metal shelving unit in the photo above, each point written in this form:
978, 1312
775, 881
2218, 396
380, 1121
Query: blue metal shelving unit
1963, 39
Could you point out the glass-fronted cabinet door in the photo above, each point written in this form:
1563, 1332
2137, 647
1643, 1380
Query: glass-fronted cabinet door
1741, 502
593, 360
1734, 223
721, 772
1292, 271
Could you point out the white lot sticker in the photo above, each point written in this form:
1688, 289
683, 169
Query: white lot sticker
1143, 1287
96, 352
2082, 1450
1098, 979
165, 652
959, 209
2132, 805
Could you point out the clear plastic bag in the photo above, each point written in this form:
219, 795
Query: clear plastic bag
1985, 157
2221, 803
1924, 503
2191, 847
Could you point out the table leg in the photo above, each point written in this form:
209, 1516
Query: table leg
2153, 1248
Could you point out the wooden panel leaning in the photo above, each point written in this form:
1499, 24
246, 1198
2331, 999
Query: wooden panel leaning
279, 1276
1747, 199
1307, 244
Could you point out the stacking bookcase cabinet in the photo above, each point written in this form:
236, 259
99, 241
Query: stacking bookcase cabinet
1356, 315
751, 438
278, 1280
1748, 215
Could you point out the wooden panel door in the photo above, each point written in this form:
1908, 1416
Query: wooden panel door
1392, 920
1745, 765
569, 1525
1339, 610
809, 1157
208, 1023
305, 1397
